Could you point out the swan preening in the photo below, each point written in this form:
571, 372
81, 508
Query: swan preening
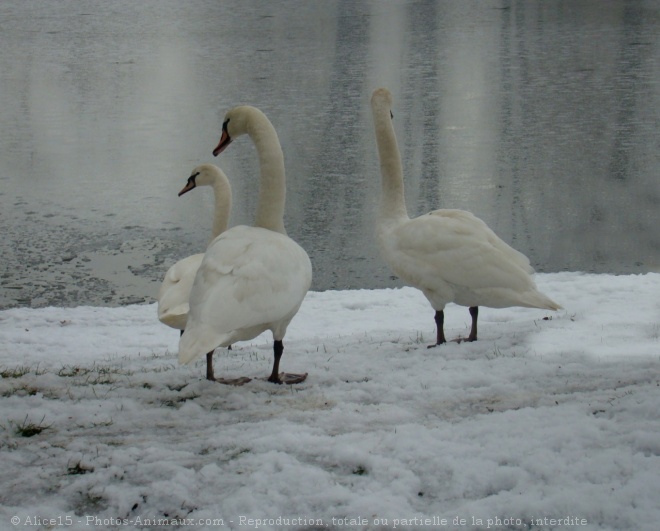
251, 279
175, 289
450, 255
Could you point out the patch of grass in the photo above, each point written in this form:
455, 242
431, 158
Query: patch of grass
498, 353
255, 356
30, 429
162, 368
103, 374
179, 400
94, 375
67, 371
70, 371
231, 453
619, 397
100, 379
78, 469
359, 470
419, 337
238, 452
23, 390
15, 372
19, 371
103, 396
101, 423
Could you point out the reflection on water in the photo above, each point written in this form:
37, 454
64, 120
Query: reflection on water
539, 118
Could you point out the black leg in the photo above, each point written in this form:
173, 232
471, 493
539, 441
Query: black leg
209, 364
474, 312
440, 327
278, 348
209, 367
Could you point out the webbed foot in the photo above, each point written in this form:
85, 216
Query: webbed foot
288, 378
233, 381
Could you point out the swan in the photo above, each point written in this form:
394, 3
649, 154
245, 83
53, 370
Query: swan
251, 279
175, 289
450, 255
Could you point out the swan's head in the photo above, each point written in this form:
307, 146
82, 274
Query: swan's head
239, 121
204, 175
381, 100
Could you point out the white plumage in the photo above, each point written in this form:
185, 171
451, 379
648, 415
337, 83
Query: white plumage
450, 255
174, 292
175, 289
251, 279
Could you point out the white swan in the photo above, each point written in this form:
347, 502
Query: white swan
251, 279
175, 289
450, 255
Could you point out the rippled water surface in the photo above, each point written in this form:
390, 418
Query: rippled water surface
541, 118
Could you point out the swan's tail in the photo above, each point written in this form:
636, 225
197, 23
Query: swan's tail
536, 299
196, 342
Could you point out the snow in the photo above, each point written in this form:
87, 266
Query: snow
549, 421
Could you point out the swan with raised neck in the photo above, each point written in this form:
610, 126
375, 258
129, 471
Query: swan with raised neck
252, 279
248, 120
392, 198
450, 255
174, 292
210, 175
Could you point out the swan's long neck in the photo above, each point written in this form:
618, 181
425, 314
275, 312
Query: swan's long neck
222, 195
272, 186
392, 200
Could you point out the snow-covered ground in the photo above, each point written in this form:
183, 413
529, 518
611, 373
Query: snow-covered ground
549, 421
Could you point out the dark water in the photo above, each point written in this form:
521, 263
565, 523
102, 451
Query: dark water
541, 118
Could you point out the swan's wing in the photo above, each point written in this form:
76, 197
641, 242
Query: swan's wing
458, 248
249, 280
175, 290
473, 225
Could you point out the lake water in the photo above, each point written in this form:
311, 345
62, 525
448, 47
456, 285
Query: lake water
541, 118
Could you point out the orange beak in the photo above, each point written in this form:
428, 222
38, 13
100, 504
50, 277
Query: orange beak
225, 140
189, 186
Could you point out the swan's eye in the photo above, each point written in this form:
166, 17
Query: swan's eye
224, 125
191, 179
391, 115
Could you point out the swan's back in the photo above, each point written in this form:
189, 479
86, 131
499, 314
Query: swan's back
250, 280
